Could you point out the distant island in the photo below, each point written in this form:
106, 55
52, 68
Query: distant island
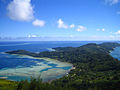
95, 68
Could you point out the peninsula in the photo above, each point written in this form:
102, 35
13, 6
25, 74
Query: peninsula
94, 68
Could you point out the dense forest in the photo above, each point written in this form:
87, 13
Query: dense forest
95, 68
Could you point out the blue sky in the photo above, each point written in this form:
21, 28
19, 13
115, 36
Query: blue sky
59, 20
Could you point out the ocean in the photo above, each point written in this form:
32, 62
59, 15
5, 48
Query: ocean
16, 67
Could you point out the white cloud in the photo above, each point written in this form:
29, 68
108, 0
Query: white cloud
30, 36
118, 32
37, 22
81, 28
34, 36
72, 25
101, 29
112, 2
61, 24
20, 10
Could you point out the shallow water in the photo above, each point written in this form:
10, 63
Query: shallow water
17, 67
24, 67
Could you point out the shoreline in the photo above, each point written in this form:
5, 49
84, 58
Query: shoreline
44, 58
59, 63
5, 78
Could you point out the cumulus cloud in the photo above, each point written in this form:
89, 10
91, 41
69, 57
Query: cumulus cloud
39, 23
20, 10
101, 29
81, 28
61, 24
72, 26
112, 2
118, 32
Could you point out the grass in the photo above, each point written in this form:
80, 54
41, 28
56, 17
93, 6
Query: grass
7, 84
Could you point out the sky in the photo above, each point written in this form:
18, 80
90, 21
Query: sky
59, 20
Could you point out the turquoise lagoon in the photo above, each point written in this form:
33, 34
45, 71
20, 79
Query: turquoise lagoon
15, 67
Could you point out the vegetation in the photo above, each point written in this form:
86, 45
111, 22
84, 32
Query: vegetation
94, 69
8, 85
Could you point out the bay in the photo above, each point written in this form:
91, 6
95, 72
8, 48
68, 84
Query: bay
17, 68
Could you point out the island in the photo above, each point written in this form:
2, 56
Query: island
95, 68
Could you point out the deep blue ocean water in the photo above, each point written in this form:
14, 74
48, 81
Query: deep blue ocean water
10, 65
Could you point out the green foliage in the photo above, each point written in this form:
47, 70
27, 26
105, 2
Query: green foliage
7, 85
94, 69
37, 84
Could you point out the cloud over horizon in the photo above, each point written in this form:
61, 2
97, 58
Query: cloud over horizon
118, 32
32, 36
101, 29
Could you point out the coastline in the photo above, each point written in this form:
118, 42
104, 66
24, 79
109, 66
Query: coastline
59, 65
5, 78
44, 58
113, 53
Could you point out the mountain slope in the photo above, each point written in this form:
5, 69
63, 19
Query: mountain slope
94, 67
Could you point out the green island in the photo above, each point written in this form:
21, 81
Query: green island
95, 69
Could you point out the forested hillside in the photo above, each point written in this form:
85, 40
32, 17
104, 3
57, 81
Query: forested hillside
94, 69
